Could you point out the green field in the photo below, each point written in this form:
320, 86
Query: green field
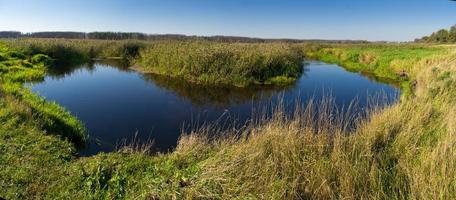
404, 151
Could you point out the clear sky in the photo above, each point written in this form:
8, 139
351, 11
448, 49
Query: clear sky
393, 20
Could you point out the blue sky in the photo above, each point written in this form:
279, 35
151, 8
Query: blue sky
393, 20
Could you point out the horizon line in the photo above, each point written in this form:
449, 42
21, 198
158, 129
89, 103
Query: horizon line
215, 35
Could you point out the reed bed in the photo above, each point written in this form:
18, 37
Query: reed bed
239, 64
204, 62
77, 50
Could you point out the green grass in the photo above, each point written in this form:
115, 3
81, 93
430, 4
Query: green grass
29, 158
129, 175
236, 64
70, 51
384, 61
404, 151
37, 137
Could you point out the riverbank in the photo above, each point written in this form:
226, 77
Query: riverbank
405, 151
36, 137
394, 62
198, 61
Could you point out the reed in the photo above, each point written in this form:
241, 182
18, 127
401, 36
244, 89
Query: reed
77, 51
239, 64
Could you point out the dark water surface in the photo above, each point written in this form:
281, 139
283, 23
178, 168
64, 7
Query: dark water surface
116, 103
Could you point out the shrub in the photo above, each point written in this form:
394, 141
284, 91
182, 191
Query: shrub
41, 59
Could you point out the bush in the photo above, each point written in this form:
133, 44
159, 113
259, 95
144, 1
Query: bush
41, 59
15, 54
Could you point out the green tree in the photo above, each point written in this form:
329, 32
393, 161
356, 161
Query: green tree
442, 36
452, 36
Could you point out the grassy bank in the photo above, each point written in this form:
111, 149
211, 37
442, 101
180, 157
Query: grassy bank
77, 51
16, 69
390, 62
405, 151
36, 136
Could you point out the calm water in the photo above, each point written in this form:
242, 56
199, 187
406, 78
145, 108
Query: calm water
116, 103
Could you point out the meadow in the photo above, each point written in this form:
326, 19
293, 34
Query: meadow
404, 151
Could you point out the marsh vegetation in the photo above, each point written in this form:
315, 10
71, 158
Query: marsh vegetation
402, 151
237, 64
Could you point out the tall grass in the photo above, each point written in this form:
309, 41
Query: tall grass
71, 51
223, 63
278, 157
405, 151
391, 62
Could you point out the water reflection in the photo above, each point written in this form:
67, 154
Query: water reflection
220, 96
62, 70
197, 94
116, 103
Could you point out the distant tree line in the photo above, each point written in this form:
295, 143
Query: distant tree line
144, 36
441, 36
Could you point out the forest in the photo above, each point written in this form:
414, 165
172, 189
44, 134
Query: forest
441, 36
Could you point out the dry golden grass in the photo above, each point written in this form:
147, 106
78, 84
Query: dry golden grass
406, 151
